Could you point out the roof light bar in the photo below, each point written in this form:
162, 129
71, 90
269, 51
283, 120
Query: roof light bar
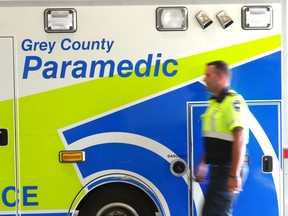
60, 20
171, 19
224, 19
203, 19
257, 17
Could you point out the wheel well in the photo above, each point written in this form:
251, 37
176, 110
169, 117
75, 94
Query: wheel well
117, 192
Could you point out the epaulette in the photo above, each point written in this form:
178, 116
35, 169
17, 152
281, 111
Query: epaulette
231, 93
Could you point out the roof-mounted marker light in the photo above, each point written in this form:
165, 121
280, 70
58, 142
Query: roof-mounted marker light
224, 19
203, 19
60, 20
257, 17
171, 19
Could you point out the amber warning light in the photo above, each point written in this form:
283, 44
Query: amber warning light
71, 156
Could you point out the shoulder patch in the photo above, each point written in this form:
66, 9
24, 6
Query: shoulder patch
237, 105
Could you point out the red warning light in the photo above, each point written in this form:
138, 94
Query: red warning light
285, 153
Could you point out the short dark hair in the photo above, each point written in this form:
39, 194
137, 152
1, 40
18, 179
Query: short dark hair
221, 66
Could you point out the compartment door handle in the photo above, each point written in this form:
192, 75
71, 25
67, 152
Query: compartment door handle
267, 164
3, 137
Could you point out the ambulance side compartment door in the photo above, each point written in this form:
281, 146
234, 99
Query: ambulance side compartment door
261, 193
7, 139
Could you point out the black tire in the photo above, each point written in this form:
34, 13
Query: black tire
125, 195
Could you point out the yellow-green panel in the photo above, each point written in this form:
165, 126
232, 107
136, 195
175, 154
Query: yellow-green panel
7, 159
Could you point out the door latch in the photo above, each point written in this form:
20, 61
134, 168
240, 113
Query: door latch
3, 137
267, 164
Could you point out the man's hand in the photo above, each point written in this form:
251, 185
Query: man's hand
202, 172
234, 184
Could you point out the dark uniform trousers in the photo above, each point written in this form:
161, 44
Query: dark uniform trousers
218, 200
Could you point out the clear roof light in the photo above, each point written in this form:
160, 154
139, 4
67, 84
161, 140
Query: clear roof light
257, 17
60, 20
171, 19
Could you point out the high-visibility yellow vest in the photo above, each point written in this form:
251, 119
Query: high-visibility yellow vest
220, 118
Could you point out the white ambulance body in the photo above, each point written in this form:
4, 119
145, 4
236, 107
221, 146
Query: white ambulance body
100, 104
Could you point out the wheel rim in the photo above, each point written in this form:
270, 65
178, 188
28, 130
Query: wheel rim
117, 209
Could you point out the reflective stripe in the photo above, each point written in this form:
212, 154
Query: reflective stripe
213, 122
235, 121
214, 134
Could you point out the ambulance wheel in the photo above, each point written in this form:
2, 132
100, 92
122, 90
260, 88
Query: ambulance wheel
117, 199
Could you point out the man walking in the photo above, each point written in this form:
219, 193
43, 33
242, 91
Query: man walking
225, 135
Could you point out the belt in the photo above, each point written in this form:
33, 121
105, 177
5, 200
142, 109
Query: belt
246, 160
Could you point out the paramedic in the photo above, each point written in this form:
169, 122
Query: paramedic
225, 136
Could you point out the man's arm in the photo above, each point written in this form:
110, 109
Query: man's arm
238, 157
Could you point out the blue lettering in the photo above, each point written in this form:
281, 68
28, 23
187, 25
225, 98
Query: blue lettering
76, 45
157, 65
29, 45
26, 45
151, 66
165, 67
65, 64
28, 194
43, 46
125, 65
5, 196
50, 72
102, 66
147, 63
79, 72
63, 46
28, 66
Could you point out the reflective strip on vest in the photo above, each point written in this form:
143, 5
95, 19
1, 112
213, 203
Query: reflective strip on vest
235, 121
214, 134
213, 122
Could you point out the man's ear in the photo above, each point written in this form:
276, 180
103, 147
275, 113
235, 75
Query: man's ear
223, 76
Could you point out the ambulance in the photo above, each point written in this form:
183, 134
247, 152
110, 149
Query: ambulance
100, 104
